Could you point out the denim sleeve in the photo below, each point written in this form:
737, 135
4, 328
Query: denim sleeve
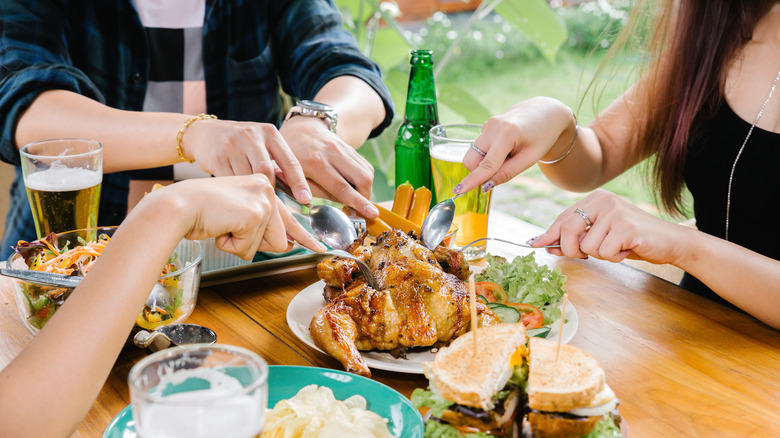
311, 47
33, 58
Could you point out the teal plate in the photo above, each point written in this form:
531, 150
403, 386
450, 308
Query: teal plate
284, 381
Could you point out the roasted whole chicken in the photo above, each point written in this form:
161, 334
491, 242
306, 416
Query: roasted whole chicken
422, 300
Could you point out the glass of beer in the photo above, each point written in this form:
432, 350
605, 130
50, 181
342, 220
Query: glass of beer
199, 391
63, 179
449, 144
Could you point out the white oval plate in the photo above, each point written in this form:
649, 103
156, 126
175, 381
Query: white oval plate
309, 301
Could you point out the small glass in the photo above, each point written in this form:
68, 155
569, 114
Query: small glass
450, 237
199, 391
63, 179
449, 144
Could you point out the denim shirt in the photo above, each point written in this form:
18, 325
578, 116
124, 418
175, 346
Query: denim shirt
98, 48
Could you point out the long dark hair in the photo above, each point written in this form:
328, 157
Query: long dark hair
691, 46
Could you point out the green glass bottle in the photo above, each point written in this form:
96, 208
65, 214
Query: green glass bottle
412, 155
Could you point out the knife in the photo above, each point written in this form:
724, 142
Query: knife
42, 278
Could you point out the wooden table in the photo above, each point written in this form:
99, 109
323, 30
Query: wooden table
681, 365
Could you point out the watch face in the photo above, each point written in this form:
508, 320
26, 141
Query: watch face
315, 105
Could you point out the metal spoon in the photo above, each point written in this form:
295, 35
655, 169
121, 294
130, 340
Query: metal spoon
438, 222
159, 298
174, 334
331, 226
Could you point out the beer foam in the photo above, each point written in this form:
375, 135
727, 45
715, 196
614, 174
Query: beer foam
62, 179
452, 152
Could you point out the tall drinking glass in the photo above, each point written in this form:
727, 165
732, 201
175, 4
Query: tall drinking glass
449, 144
199, 391
63, 179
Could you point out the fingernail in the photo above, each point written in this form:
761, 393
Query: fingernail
532, 240
304, 196
457, 189
488, 186
371, 210
320, 246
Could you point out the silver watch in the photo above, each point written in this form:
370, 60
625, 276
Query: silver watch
309, 108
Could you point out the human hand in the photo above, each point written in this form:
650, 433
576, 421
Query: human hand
223, 148
334, 169
516, 139
243, 213
614, 230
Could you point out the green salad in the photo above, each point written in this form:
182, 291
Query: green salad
525, 281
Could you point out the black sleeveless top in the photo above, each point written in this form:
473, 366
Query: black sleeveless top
755, 190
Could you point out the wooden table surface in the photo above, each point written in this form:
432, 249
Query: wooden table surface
680, 365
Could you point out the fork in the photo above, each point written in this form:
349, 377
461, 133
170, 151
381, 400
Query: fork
358, 222
495, 239
364, 269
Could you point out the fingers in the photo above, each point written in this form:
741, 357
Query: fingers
296, 231
606, 227
333, 166
486, 167
291, 168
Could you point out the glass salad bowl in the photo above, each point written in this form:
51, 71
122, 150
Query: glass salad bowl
37, 303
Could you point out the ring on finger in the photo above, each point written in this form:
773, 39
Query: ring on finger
584, 216
477, 150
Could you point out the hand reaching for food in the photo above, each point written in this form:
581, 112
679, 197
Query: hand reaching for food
258, 221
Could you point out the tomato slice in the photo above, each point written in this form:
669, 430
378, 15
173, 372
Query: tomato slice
492, 292
43, 313
530, 315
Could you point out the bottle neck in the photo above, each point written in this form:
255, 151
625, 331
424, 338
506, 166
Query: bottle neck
421, 95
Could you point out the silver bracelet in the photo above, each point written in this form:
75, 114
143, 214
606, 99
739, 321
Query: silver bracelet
576, 131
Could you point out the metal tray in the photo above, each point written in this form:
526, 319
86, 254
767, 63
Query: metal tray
261, 268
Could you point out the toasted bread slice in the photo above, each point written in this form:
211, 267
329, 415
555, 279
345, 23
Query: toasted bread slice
572, 381
460, 376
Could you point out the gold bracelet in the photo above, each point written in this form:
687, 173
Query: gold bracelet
576, 131
184, 127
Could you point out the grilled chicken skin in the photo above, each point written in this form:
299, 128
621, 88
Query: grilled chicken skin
417, 305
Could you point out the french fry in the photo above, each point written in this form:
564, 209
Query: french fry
396, 221
403, 199
421, 202
377, 226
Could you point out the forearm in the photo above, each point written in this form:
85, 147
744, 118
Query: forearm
359, 107
130, 139
603, 149
66, 364
745, 278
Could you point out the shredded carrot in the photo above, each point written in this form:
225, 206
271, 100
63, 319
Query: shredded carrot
80, 257
51, 248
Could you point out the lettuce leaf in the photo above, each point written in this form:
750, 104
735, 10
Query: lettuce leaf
421, 397
606, 428
525, 281
434, 429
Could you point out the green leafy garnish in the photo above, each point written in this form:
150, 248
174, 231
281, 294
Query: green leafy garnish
605, 428
421, 397
434, 429
525, 281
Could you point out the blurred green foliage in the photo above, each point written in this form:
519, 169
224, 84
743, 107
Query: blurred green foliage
469, 48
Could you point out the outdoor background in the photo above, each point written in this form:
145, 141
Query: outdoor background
490, 55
